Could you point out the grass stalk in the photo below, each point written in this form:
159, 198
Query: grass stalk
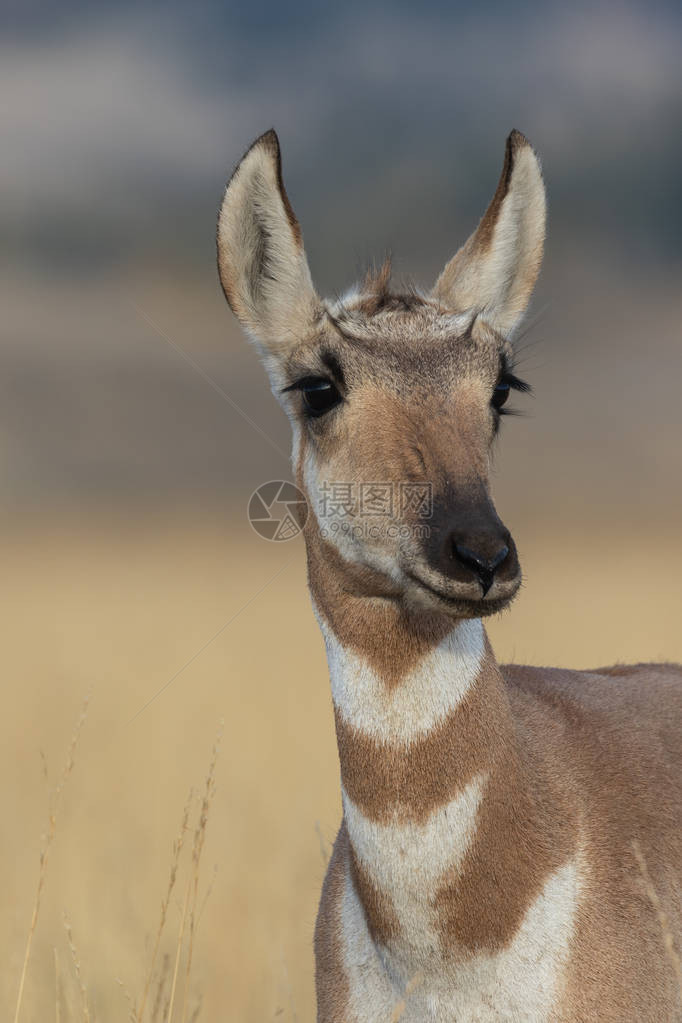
197, 849
54, 805
165, 902
85, 1008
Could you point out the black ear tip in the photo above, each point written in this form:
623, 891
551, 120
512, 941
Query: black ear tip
269, 139
517, 140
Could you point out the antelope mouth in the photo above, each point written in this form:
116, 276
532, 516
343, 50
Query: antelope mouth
464, 606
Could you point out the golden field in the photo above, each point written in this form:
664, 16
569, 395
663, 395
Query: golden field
119, 603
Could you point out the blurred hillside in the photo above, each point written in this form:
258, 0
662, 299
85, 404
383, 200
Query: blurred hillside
124, 124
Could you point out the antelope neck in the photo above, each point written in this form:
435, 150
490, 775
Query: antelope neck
420, 706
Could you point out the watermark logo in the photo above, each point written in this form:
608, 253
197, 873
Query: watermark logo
399, 500
278, 510
374, 511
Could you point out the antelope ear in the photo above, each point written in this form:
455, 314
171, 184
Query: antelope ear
494, 272
261, 261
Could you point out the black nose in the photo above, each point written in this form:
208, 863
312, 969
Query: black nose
483, 566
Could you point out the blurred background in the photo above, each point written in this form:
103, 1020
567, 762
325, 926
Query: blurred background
135, 423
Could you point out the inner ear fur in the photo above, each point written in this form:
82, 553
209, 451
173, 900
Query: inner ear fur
494, 272
261, 260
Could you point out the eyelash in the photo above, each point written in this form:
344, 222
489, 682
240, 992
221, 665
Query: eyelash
310, 387
515, 384
508, 378
304, 382
506, 382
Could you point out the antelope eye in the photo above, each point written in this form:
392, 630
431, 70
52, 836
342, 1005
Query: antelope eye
319, 395
500, 394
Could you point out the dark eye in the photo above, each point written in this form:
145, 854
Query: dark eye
319, 395
500, 394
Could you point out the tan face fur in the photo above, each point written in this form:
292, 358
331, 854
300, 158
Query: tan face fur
396, 472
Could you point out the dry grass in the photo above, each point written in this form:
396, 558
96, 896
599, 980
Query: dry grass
48, 839
125, 604
193, 879
84, 1013
138, 1014
166, 985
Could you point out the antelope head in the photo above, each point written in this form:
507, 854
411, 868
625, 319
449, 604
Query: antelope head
394, 398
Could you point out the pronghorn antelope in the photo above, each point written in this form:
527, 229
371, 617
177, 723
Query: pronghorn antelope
484, 868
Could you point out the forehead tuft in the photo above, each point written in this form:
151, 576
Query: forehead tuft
401, 318
377, 334
375, 295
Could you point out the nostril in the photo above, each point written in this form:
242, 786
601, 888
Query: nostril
475, 560
484, 567
497, 560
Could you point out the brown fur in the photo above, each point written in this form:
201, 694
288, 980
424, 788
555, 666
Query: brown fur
377, 296
330, 979
407, 782
580, 763
383, 923
341, 591
613, 737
